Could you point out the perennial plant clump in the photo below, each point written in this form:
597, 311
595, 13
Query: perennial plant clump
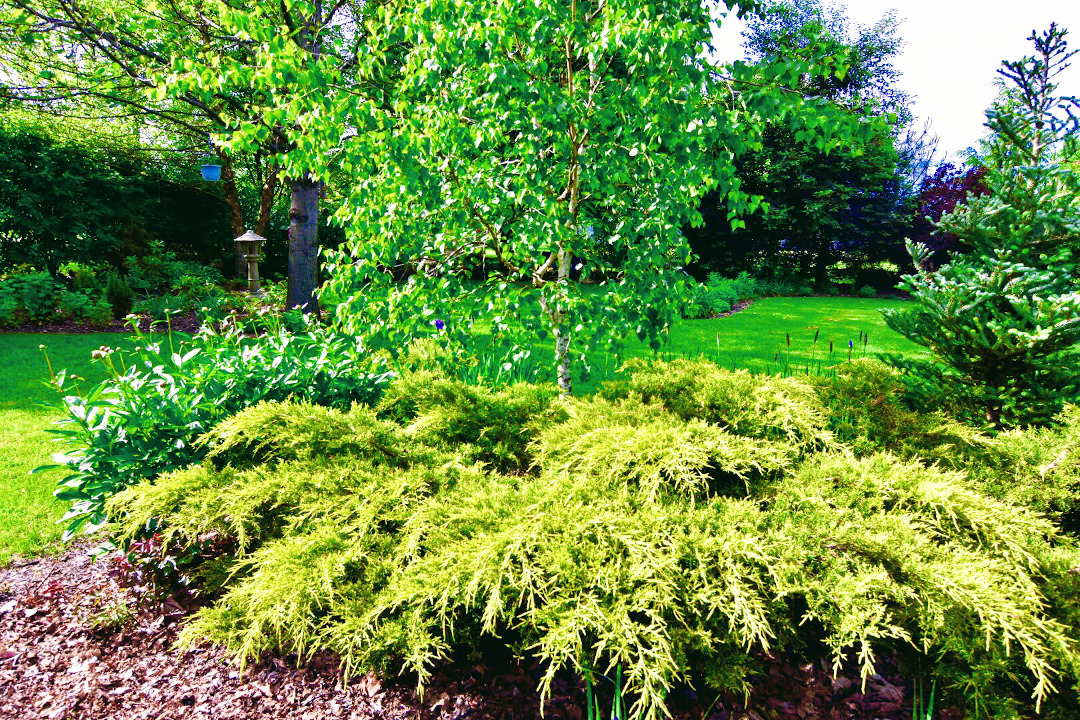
162, 395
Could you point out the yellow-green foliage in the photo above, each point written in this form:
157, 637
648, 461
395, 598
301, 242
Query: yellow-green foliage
1037, 467
755, 406
281, 472
629, 441
866, 412
497, 424
895, 547
619, 547
274, 431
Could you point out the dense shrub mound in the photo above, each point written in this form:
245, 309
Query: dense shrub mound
496, 425
764, 407
1038, 467
674, 532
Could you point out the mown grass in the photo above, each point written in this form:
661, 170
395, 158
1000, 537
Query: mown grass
773, 335
777, 335
756, 338
28, 511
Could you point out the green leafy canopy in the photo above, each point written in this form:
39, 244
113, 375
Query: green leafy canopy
483, 138
494, 136
516, 129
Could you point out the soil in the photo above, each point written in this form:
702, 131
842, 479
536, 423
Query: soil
72, 647
737, 307
186, 323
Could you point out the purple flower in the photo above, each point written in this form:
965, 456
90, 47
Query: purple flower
851, 343
440, 325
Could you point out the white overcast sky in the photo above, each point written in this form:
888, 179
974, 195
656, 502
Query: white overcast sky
952, 50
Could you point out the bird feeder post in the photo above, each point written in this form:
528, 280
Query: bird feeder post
250, 245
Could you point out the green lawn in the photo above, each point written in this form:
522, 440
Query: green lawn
755, 339
758, 337
28, 512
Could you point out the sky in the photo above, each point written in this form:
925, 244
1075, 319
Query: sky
952, 50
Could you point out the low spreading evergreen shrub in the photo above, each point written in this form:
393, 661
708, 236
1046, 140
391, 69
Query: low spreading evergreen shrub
659, 452
776, 287
755, 406
361, 532
496, 424
275, 431
867, 403
1038, 467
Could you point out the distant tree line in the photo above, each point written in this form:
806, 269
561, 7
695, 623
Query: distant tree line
841, 215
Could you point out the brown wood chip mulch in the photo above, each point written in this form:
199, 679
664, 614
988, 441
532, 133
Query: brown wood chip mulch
186, 323
64, 654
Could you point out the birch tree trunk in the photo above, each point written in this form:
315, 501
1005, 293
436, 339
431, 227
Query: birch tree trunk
562, 331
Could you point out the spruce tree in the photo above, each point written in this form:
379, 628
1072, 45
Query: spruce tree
1002, 322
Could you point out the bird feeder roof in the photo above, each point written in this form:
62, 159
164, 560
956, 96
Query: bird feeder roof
249, 236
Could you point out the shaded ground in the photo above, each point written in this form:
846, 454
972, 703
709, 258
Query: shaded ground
185, 323
71, 648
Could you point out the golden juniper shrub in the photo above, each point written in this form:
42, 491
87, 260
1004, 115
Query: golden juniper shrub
756, 406
494, 426
662, 453
866, 411
601, 558
885, 548
277, 431
1038, 467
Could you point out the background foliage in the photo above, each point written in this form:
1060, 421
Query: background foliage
66, 198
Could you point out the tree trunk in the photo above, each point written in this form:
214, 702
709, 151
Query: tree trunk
304, 207
821, 266
236, 213
562, 331
266, 199
303, 245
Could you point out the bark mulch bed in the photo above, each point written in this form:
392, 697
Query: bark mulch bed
70, 647
186, 323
